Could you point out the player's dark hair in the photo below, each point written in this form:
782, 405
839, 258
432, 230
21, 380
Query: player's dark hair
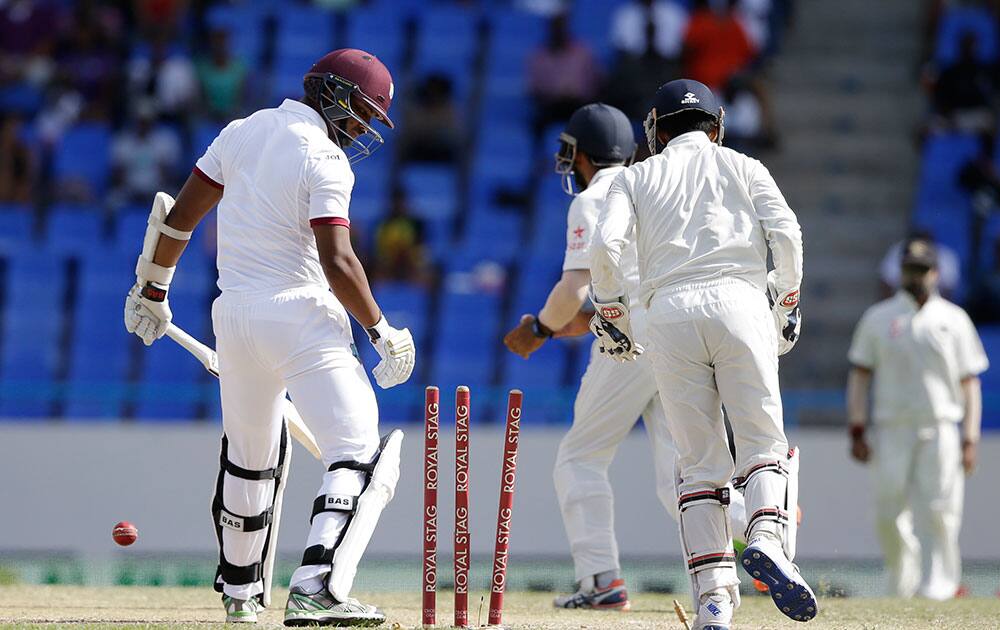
685, 121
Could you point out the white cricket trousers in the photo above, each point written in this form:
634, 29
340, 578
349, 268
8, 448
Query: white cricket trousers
612, 396
919, 493
297, 340
714, 344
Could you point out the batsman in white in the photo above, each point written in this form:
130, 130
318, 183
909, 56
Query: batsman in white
596, 145
282, 179
925, 357
703, 218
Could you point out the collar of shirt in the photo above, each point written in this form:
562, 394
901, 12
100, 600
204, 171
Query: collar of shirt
607, 171
904, 296
303, 110
691, 138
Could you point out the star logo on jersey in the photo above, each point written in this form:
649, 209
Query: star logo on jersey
578, 232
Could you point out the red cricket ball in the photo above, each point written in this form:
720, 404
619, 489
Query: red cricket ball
125, 533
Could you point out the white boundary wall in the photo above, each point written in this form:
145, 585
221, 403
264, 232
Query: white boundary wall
65, 485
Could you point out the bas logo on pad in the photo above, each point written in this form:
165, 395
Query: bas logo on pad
791, 299
611, 312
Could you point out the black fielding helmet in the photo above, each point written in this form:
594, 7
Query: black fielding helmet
682, 95
600, 131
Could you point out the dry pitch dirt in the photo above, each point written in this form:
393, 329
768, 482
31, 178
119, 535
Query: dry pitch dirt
169, 608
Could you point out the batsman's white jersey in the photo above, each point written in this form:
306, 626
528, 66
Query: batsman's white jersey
919, 357
703, 217
611, 399
278, 326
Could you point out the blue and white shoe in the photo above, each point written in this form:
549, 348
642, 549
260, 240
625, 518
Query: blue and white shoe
613, 597
715, 612
765, 560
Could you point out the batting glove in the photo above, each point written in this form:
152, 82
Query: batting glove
787, 315
611, 325
147, 311
397, 351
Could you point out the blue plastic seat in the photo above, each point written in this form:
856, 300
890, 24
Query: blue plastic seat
30, 355
16, 222
74, 230
245, 23
956, 22
100, 351
84, 155
378, 28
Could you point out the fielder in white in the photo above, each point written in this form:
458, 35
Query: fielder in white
282, 180
925, 357
594, 148
703, 218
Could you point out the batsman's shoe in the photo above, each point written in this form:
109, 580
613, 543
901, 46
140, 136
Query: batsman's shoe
715, 612
242, 610
764, 560
321, 609
612, 597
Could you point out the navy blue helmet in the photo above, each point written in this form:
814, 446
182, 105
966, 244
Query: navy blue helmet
600, 131
682, 95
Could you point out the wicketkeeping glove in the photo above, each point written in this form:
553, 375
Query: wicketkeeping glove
787, 315
147, 311
397, 351
611, 325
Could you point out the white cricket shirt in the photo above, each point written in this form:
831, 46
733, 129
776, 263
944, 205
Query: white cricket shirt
280, 174
581, 223
699, 212
919, 358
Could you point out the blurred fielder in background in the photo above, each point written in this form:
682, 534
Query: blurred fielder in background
925, 357
703, 218
282, 178
595, 147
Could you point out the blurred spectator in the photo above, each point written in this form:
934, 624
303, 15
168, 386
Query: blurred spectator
158, 17
962, 92
431, 129
63, 106
166, 79
948, 263
399, 244
89, 58
144, 159
755, 16
984, 301
222, 78
639, 23
563, 75
716, 46
637, 75
27, 41
16, 164
749, 128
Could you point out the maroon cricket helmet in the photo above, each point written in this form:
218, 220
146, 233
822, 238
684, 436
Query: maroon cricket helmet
363, 69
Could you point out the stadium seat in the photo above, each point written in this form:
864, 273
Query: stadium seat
74, 230
956, 22
30, 353
245, 24
378, 28
16, 222
84, 156
100, 349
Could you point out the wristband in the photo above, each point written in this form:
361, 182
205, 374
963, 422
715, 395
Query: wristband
154, 292
539, 329
379, 330
857, 431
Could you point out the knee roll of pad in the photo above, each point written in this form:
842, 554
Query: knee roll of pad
228, 573
381, 476
772, 496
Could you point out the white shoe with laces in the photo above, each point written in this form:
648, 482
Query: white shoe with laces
715, 612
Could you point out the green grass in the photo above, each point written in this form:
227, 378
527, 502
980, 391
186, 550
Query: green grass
172, 608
